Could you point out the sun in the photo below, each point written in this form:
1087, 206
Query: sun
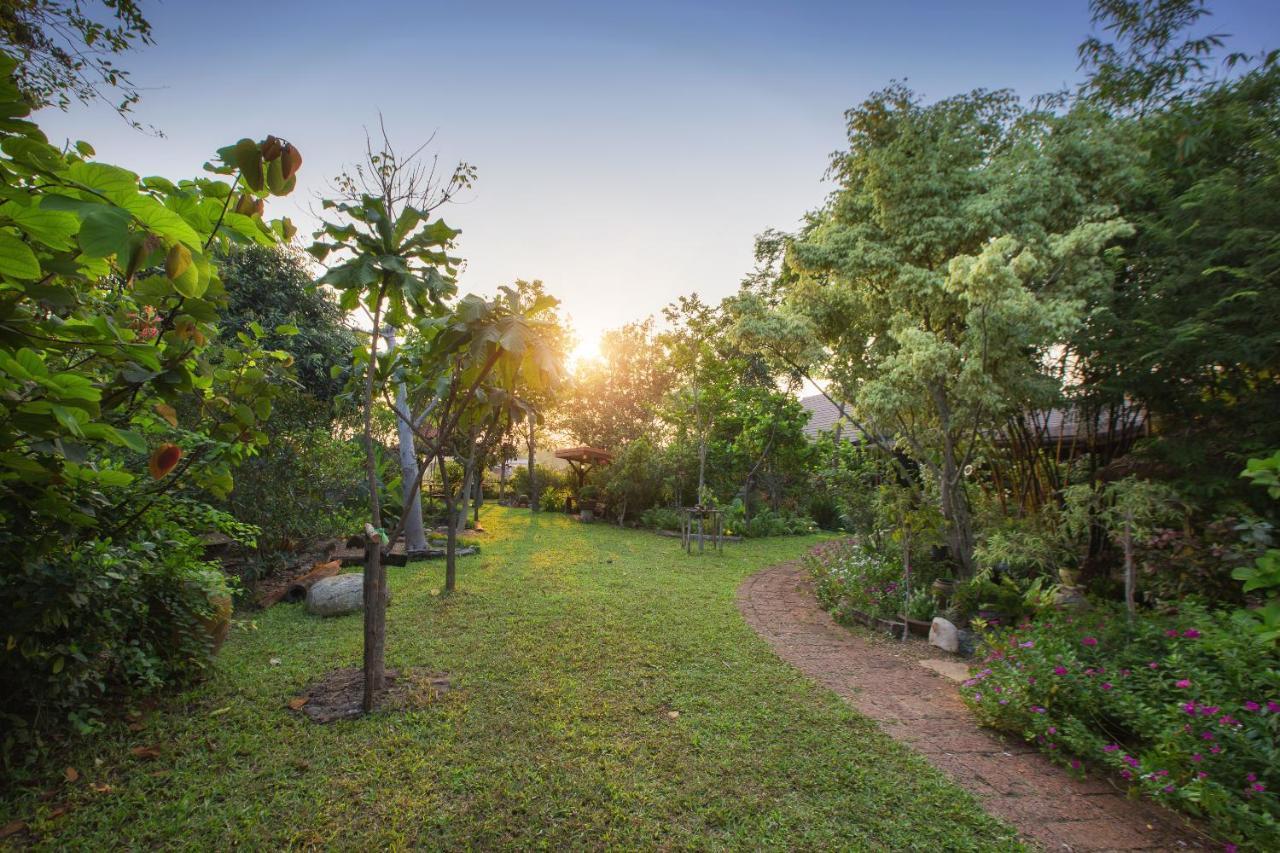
588, 349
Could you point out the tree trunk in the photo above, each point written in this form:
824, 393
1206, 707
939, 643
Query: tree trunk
952, 495
451, 524
533, 483
375, 615
375, 619
415, 537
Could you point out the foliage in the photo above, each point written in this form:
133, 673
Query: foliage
65, 52
765, 522
105, 621
548, 478
119, 405
1175, 563
661, 518
1180, 705
849, 577
554, 500
613, 400
635, 482
1264, 574
920, 605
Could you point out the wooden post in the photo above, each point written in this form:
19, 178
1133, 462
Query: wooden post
375, 618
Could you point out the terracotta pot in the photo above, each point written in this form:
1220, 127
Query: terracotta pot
944, 587
917, 627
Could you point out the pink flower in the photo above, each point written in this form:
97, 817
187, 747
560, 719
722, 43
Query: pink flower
1062, 670
1131, 761
1251, 777
1252, 706
1259, 787
1207, 736
1190, 708
1200, 774
1215, 749
1197, 757
1153, 665
1172, 632
1075, 764
1126, 775
1191, 634
1036, 709
1124, 673
1106, 685
1183, 682
1029, 644
1273, 707
1053, 730
1111, 747
1090, 641
1209, 710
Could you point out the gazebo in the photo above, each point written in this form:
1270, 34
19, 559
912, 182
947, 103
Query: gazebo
583, 459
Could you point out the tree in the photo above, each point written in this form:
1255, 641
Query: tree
614, 399
65, 52
391, 258
962, 244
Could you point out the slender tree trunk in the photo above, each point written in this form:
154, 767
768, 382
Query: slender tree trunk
375, 617
415, 537
533, 482
952, 496
451, 525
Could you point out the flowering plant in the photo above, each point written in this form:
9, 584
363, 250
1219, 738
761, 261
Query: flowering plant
850, 577
1184, 706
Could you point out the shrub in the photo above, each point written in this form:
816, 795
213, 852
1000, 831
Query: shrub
553, 500
851, 577
102, 621
1181, 705
661, 518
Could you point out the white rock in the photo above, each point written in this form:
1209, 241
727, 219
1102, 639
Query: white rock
944, 635
338, 595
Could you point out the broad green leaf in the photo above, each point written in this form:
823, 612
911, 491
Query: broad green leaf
104, 231
117, 185
54, 228
16, 258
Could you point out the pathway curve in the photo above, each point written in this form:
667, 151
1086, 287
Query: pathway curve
1046, 804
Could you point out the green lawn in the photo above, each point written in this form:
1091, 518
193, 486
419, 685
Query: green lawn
568, 646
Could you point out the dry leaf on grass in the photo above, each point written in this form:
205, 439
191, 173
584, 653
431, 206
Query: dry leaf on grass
71, 774
13, 827
101, 787
297, 702
147, 752
673, 714
59, 810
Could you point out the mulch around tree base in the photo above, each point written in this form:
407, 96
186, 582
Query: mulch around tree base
340, 694
1049, 807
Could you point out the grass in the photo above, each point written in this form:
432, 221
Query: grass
569, 646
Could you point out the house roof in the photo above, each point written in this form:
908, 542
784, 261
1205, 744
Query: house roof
1067, 426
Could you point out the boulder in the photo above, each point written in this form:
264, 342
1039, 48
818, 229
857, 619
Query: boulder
944, 635
338, 595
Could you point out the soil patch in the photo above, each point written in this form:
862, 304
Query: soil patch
339, 694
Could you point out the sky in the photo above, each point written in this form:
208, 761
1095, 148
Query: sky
626, 153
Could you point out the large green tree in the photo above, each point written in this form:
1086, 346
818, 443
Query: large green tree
963, 243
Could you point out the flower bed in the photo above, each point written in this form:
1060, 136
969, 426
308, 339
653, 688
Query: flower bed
1186, 707
852, 581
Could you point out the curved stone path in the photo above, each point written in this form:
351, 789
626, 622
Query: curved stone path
1048, 806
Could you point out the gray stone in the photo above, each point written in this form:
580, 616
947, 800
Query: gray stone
944, 635
338, 595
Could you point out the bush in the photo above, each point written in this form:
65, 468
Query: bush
1182, 706
661, 518
553, 499
99, 623
765, 522
850, 577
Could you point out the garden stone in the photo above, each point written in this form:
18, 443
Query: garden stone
337, 596
944, 635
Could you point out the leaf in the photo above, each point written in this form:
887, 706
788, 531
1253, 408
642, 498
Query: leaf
167, 412
13, 827
101, 787
148, 753
104, 231
54, 228
113, 183
297, 702
16, 258
164, 460
71, 774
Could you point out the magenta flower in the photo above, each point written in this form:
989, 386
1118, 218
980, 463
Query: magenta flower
1183, 682
1215, 749
1207, 736
1251, 777
1126, 775
1029, 644
1036, 709
1200, 774
1172, 632
1273, 707
1075, 764
1252, 706
1197, 757
1053, 730
1131, 761
1062, 670
1191, 634
1153, 665
1190, 708
1106, 685
1259, 787
1111, 747
1090, 641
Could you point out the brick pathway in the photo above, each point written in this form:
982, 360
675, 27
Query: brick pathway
1046, 804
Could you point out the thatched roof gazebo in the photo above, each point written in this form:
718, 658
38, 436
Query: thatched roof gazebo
583, 459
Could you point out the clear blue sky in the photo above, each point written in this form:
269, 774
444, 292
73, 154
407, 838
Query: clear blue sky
627, 153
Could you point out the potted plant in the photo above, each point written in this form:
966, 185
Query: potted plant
918, 612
